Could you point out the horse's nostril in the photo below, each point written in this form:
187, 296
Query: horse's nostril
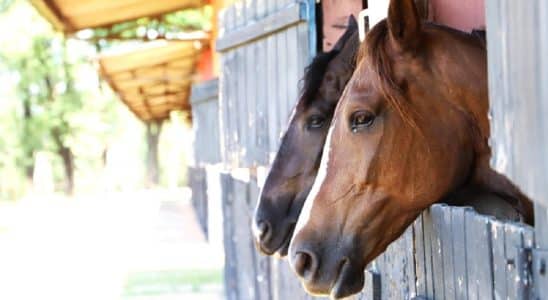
305, 264
263, 230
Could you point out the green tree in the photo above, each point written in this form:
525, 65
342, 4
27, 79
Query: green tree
48, 101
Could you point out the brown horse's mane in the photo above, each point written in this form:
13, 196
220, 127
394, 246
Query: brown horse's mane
373, 52
314, 73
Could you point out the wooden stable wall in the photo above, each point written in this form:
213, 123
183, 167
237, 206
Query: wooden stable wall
264, 47
448, 253
206, 144
517, 38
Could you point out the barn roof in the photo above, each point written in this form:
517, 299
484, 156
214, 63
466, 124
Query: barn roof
72, 15
155, 79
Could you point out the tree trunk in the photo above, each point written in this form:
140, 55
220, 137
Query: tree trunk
68, 161
68, 164
153, 169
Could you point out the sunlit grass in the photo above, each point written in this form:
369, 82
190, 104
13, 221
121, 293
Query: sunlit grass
155, 283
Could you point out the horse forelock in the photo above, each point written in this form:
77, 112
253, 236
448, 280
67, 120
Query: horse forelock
373, 52
314, 74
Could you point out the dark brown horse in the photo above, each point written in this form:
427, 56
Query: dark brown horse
410, 130
297, 161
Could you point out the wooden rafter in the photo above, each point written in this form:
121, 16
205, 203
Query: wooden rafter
154, 80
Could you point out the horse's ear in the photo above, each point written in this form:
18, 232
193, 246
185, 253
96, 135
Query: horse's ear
350, 29
404, 24
352, 23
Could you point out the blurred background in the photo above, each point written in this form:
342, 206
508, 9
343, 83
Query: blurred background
94, 150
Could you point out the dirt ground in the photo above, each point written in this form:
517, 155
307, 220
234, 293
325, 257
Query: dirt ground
139, 245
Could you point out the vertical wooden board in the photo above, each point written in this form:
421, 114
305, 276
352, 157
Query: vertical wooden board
409, 249
290, 286
272, 6
261, 147
261, 8
251, 117
458, 228
448, 256
283, 85
428, 233
262, 263
390, 283
245, 253
250, 11
235, 111
240, 16
228, 110
513, 241
499, 260
223, 108
484, 257
471, 258
231, 271
420, 265
293, 73
242, 101
437, 254
303, 49
273, 92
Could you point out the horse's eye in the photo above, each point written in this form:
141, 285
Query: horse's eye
315, 122
361, 120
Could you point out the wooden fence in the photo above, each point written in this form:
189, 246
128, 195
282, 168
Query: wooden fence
449, 252
264, 47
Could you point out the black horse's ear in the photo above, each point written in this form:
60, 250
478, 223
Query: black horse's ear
404, 24
350, 29
352, 23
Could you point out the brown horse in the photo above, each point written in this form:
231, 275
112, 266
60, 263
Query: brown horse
297, 161
410, 130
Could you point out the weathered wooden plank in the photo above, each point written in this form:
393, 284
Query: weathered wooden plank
303, 49
272, 23
484, 257
250, 117
261, 8
231, 262
293, 72
273, 94
224, 108
261, 147
458, 228
513, 241
242, 237
240, 17
409, 236
242, 102
205, 124
261, 262
420, 265
517, 75
499, 260
437, 254
232, 106
447, 250
250, 12
283, 85
428, 233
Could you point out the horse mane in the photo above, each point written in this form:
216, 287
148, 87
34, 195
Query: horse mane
314, 73
373, 52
